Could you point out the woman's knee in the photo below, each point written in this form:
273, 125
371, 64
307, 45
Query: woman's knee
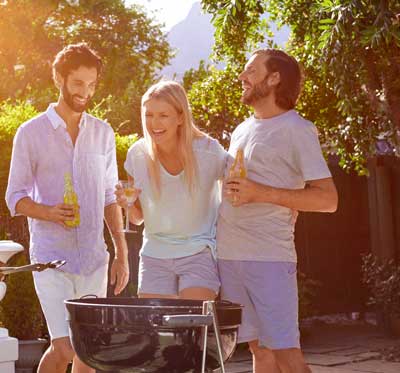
197, 293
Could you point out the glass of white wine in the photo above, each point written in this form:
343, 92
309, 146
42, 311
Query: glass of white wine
129, 191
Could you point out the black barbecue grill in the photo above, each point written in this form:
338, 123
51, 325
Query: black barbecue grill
153, 335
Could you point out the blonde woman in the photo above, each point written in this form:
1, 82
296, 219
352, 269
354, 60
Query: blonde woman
176, 169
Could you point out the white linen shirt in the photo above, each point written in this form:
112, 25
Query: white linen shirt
42, 153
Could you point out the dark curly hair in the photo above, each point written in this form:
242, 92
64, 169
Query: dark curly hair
291, 76
75, 55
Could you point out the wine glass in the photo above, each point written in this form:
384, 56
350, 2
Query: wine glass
129, 191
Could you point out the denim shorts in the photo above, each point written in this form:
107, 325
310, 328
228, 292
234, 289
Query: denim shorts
171, 276
268, 292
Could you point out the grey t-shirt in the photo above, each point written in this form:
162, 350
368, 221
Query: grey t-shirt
282, 152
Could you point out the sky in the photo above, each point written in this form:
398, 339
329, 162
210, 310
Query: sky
169, 12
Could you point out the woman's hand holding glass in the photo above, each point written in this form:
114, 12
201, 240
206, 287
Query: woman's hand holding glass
127, 195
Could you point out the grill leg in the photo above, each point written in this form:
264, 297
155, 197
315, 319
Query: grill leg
211, 306
209, 309
204, 336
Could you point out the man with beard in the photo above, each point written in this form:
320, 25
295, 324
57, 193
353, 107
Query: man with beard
67, 140
286, 173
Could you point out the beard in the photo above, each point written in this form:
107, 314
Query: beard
257, 92
69, 100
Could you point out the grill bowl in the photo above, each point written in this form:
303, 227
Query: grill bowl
129, 334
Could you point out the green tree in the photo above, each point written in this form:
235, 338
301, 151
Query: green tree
238, 27
133, 48
192, 75
215, 100
11, 117
350, 50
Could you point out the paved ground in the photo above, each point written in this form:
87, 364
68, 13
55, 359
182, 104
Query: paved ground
338, 348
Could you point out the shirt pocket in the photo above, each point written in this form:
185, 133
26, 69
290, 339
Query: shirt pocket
94, 169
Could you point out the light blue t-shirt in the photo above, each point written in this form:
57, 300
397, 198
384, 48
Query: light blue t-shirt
178, 224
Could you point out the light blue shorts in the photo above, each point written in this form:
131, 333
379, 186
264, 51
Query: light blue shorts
171, 276
268, 292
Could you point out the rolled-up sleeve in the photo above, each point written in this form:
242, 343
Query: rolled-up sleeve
111, 172
20, 180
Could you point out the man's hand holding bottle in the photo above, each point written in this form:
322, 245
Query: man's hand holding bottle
63, 214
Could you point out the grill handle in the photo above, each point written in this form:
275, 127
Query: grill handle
187, 321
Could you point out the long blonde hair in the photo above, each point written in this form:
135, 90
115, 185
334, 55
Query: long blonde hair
174, 94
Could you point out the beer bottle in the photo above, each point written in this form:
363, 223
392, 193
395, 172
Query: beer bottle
71, 198
238, 169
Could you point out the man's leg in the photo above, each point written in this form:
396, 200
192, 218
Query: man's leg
57, 356
233, 276
92, 284
291, 360
276, 305
53, 287
79, 367
264, 359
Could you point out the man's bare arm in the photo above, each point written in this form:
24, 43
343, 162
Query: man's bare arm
318, 195
119, 275
113, 218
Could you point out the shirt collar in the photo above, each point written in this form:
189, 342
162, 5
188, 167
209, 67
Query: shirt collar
57, 121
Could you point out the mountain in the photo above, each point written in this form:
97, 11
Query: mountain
193, 38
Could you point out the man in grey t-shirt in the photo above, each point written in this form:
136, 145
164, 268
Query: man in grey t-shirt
286, 172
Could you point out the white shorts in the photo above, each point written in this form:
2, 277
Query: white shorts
54, 286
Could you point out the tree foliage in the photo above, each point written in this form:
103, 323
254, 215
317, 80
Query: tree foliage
350, 50
12, 115
132, 46
20, 309
215, 101
238, 27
